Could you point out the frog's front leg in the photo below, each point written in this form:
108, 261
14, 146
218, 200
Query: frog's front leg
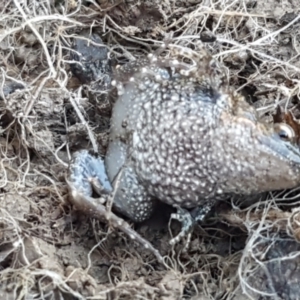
188, 219
131, 198
87, 173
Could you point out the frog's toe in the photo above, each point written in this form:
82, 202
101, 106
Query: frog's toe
87, 174
200, 212
188, 221
187, 226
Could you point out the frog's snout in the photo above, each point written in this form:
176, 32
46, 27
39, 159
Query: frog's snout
285, 150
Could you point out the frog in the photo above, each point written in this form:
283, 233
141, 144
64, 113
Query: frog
180, 134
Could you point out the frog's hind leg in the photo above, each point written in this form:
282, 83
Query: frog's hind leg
130, 197
87, 173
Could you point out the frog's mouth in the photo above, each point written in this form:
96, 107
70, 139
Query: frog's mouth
283, 149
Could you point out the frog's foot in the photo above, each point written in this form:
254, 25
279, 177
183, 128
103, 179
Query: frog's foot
188, 221
87, 173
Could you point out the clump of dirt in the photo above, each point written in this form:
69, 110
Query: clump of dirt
48, 250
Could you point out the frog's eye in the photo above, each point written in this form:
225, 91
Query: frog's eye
284, 131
